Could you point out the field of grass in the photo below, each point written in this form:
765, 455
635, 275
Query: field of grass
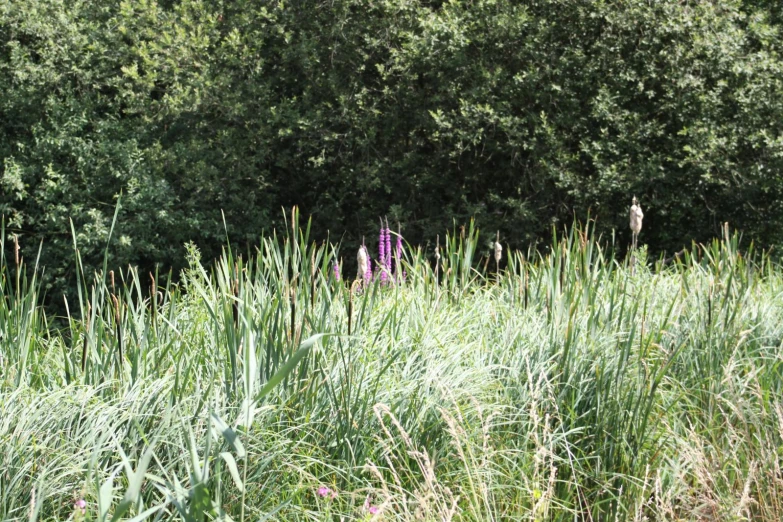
567, 387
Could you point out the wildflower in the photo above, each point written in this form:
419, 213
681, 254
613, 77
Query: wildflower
336, 271
373, 510
368, 272
382, 257
81, 505
388, 247
323, 491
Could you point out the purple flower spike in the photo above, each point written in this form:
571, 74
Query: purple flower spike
382, 258
368, 273
388, 248
336, 271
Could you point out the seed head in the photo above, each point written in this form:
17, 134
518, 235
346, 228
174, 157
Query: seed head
363, 262
498, 252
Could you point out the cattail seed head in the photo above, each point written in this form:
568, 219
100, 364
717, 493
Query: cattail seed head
498, 249
636, 216
16, 250
363, 262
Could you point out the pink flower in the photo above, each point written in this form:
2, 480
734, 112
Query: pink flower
323, 491
81, 504
373, 510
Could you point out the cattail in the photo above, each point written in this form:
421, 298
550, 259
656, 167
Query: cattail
16, 250
364, 265
118, 321
636, 217
293, 314
498, 252
350, 310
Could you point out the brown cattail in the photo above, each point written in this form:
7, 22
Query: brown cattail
293, 315
16, 250
118, 321
350, 311
111, 277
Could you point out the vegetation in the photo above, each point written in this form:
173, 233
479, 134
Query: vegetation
522, 114
565, 387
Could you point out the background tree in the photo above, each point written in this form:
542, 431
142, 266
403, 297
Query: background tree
522, 114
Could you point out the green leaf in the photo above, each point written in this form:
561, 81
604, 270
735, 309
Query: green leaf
229, 434
232, 468
289, 366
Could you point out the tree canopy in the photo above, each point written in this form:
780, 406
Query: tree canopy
523, 114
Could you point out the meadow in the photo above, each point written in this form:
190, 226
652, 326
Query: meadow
570, 385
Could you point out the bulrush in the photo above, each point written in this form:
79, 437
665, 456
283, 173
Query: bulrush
498, 252
636, 216
363, 263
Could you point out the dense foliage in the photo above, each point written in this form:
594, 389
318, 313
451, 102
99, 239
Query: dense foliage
521, 114
567, 387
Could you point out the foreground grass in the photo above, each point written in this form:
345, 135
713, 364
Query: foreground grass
566, 388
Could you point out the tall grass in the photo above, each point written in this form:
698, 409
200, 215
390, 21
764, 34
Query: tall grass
568, 386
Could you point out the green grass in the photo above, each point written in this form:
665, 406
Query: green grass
567, 387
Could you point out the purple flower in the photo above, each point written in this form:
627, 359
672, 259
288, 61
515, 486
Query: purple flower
81, 504
388, 248
323, 491
368, 272
381, 245
336, 271
382, 258
373, 510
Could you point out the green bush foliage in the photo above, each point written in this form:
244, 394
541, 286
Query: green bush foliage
522, 114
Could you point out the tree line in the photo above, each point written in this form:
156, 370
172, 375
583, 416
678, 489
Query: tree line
209, 116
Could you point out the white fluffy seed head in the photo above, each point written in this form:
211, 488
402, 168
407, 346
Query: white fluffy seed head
498, 251
636, 216
361, 261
